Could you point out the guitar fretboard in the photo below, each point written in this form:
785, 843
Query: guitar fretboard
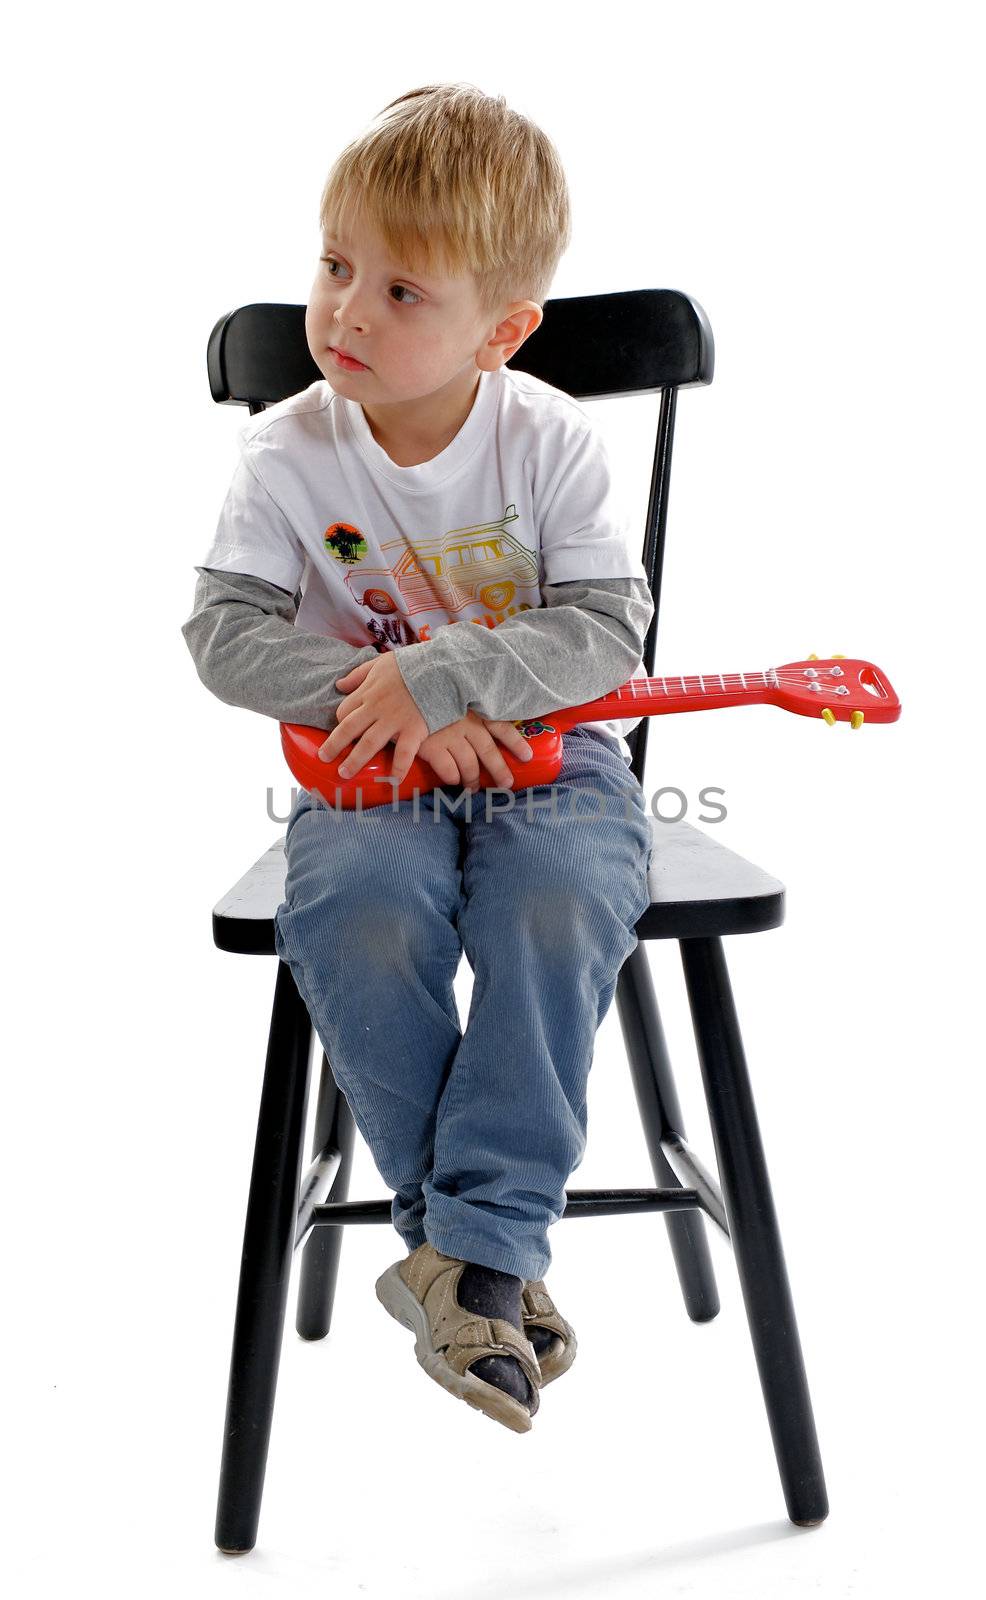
692, 691
699, 683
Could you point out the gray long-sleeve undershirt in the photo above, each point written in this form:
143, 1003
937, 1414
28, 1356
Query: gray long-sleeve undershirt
586, 640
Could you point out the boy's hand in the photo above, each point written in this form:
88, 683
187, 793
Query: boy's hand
378, 708
454, 752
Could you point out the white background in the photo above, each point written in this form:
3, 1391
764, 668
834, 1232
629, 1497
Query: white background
812, 176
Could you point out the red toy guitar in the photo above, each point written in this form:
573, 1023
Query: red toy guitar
836, 688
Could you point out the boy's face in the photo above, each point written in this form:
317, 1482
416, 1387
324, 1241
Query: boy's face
420, 338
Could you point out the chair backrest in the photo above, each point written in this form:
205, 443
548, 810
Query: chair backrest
595, 347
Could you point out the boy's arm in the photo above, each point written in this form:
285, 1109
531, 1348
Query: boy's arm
585, 641
246, 649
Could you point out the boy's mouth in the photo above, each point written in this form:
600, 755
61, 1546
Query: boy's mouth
348, 363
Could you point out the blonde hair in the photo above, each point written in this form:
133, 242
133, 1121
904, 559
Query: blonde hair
455, 182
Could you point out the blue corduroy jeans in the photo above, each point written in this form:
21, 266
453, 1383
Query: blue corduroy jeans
475, 1131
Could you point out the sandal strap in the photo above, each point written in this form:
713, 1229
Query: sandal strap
539, 1308
464, 1336
536, 1300
492, 1336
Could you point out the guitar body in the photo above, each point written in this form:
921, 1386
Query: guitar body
837, 688
373, 786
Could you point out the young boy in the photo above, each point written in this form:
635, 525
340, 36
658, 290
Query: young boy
425, 483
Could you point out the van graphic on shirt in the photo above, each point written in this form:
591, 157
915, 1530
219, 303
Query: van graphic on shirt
484, 564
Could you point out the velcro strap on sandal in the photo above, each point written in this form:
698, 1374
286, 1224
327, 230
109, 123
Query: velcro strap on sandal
537, 1300
504, 1339
539, 1309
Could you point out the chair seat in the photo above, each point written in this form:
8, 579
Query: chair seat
698, 888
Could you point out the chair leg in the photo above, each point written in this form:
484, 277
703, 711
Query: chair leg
265, 1267
753, 1230
660, 1113
334, 1126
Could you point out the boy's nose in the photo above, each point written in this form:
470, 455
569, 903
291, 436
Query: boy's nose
350, 314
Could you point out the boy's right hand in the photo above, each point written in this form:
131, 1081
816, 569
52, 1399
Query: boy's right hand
454, 753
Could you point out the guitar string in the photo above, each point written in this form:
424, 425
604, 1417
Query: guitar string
754, 680
646, 688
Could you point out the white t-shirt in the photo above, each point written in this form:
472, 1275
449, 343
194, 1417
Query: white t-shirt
387, 555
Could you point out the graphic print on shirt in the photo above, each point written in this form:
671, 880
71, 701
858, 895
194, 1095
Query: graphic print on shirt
482, 564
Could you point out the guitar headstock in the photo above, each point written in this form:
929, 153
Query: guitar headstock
838, 688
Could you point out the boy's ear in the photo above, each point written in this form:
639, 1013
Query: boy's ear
520, 322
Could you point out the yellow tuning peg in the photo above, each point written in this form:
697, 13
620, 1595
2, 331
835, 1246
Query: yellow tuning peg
856, 720
829, 717
813, 656
838, 655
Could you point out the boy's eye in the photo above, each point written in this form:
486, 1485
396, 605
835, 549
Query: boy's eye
331, 262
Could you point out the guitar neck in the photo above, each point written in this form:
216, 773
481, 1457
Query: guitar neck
650, 697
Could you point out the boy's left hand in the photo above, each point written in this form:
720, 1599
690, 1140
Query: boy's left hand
377, 708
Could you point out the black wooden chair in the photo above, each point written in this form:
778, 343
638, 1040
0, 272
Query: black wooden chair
592, 346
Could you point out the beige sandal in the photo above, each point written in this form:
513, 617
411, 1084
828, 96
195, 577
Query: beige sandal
540, 1311
421, 1293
